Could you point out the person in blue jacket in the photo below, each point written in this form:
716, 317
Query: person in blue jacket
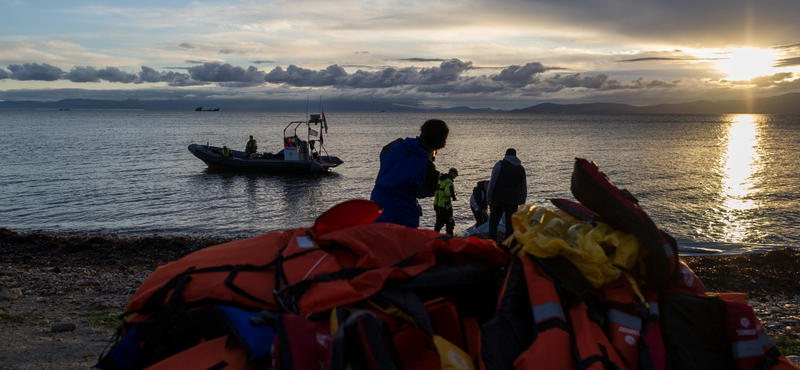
407, 173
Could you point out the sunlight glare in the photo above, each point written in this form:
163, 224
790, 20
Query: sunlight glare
739, 167
747, 63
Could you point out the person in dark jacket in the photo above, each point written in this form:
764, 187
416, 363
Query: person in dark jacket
443, 202
407, 173
508, 188
477, 202
251, 147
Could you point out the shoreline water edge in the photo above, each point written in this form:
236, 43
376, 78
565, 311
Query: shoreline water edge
61, 294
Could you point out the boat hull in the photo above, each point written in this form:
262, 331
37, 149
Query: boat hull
211, 157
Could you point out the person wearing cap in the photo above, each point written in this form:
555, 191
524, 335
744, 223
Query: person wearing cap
407, 173
443, 202
508, 188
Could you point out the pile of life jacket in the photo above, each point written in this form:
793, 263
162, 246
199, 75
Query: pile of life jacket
593, 284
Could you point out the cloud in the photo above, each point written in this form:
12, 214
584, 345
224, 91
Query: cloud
187, 45
149, 75
650, 59
787, 62
297, 76
4, 75
422, 60
765, 81
262, 61
521, 75
335, 75
82, 74
227, 75
787, 46
35, 72
599, 81
113, 74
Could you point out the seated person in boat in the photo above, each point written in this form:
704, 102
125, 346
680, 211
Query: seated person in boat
226, 152
251, 147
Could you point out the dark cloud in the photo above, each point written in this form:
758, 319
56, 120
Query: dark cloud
149, 75
227, 74
176, 79
195, 62
521, 75
787, 46
114, 74
647, 59
4, 74
650, 59
297, 76
335, 75
262, 61
35, 72
226, 51
640, 83
362, 52
422, 60
187, 45
787, 62
578, 80
82, 74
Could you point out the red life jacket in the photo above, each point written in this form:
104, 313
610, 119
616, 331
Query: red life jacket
343, 258
752, 347
565, 337
631, 325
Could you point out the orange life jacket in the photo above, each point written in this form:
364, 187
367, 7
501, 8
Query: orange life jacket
752, 347
565, 337
343, 258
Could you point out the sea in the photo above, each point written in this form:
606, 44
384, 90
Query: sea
714, 182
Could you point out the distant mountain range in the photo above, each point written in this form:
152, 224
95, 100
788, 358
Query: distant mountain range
787, 104
782, 104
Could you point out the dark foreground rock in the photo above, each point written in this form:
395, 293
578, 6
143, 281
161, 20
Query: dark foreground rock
73, 287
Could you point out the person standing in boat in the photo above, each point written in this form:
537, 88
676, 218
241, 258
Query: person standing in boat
407, 173
443, 202
250, 148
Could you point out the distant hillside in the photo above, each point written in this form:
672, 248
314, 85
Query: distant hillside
784, 104
230, 105
788, 104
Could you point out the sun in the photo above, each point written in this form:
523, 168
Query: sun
747, 63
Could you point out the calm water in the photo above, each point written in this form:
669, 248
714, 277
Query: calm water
705, 178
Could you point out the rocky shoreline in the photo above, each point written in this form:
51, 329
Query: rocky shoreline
60, 294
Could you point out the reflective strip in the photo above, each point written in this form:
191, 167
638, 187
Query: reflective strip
624, 319
747, 348
546, 311
765, 340
668, 248
653, 308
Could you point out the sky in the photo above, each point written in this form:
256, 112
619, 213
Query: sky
439, 53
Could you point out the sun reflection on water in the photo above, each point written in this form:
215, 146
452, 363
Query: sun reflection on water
739, 166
